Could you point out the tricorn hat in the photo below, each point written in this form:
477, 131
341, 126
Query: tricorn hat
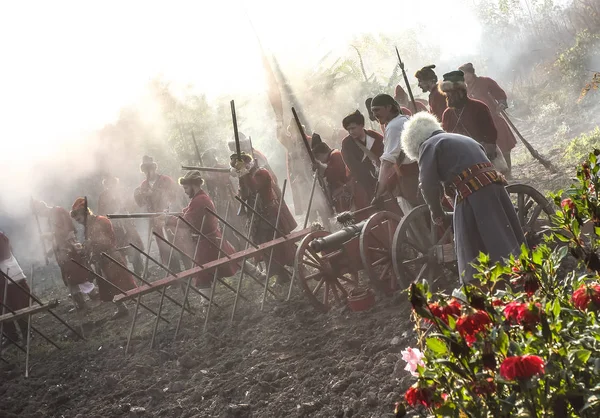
453, 80
147, 162
467, 68
191, 177
426, 73
318, 146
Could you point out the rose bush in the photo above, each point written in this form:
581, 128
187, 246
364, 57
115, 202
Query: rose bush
524, 341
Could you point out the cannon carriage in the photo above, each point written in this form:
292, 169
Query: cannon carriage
388, 251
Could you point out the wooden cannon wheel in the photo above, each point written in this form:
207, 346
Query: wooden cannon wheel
422, 250
323, 285
375, 245
534, 211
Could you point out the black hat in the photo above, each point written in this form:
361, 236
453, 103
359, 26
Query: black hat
317, 145
426, 73
453, 80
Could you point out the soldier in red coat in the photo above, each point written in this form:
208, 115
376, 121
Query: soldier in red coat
333, 168
247, 147
15, 298
467, 116
403, 100
362, 150
428, 83
157, 194
111, 200
197, 246
100, 238
64, 246
257, 183
489, 92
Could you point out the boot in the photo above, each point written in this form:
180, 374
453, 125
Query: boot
122, 311
79, 302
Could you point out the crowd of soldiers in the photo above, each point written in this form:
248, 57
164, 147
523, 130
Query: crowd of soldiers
454, 148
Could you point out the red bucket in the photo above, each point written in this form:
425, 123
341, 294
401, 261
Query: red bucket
361, 300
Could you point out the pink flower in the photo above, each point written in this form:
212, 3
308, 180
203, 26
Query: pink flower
413, 358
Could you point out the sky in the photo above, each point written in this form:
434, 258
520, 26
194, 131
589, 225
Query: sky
68, 67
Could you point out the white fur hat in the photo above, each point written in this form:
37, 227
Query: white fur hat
417, 130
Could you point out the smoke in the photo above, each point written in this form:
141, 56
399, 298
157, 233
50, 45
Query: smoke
80, 100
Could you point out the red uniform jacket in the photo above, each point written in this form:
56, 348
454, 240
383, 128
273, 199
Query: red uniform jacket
489, 92
473, 120
111, 201
338, 176
362, 169
102, 238
437, 103
61, 225
259, 183
194, 213
164, 192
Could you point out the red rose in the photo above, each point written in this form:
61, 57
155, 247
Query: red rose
442, 312
521, 367
587, 297
423, 396
526, 314
567, 204
470, 325
484, 387
498, 302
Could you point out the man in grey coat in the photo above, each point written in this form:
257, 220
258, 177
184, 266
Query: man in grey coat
484, 216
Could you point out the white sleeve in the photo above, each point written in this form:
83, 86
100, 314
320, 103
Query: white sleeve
391, 142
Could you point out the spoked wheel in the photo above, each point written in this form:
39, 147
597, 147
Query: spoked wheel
323, 285
376, 250
422, 250
534, 212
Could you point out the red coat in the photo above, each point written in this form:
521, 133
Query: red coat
102, 238
473, 120
362, 169
111, 201
337, 176
489, 92
163, 194
437, 103
194, 213
61, 225
259, 183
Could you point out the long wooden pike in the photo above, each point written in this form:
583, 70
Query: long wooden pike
206, 169
39, 228
236, 134
198, 156
410, 94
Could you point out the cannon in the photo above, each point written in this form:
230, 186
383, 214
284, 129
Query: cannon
328, 264
392, 250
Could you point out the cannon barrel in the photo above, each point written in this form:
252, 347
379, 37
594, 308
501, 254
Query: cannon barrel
335, 240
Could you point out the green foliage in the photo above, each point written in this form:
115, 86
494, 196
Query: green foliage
572, 62
524, 341
577, 148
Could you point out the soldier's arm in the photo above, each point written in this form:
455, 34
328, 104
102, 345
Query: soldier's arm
497, 92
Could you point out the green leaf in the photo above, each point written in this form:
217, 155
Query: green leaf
503, 342
437, 346
538, 256
556, 308
451, 322
580, 357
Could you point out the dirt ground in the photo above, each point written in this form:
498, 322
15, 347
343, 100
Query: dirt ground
287, 361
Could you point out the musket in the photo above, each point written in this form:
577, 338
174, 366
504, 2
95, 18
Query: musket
85, 219
140, 215
196, 148
206, 169
546, 163
236, 135
410, 94
39, 228
313, 161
